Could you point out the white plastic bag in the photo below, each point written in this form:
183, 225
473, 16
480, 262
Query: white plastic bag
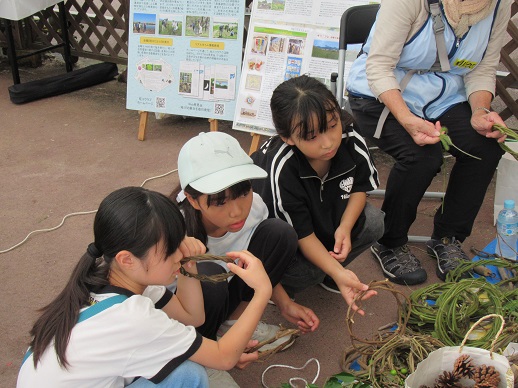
443, 359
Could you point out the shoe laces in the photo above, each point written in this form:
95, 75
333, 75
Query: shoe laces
451, 253
405, 259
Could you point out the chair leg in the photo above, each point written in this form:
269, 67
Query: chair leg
418, 239
429, 194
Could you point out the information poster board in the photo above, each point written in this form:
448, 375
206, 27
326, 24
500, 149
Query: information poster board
287, 38
184, 56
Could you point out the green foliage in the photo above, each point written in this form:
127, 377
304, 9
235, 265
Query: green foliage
447, 143
322, 53
344, 380
339, 380
512, 135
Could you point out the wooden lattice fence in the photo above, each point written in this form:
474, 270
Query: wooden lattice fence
97, 29
506, 86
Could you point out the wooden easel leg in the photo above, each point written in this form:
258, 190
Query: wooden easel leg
213, 125
142, 125
255, 143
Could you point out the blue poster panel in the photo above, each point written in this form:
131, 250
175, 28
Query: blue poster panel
184, 57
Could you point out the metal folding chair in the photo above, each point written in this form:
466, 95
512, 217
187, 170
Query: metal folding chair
355, 25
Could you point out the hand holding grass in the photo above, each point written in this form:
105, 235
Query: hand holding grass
511, 134
447, 143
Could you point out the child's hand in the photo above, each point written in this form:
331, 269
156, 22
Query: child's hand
247, 358
350, 286
305, 319
342, 245
251, 270
191, 246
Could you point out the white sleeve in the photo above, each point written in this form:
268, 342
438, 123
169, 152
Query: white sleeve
155, 293
159, 344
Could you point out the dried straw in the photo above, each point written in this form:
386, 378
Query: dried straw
206, 278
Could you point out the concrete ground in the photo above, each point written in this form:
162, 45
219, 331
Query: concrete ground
64, 154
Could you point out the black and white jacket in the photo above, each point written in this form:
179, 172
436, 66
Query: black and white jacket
293, 191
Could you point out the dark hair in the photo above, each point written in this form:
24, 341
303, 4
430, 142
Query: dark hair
193, 221
133, 219
296, 101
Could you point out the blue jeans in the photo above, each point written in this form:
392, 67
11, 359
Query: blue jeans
187, 375
302, 274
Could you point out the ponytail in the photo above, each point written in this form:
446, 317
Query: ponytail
60, 316
131, 218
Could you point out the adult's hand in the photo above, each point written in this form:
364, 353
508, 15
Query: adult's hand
482, 122
422, 132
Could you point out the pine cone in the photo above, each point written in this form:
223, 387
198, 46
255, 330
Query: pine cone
447, 380
486, 375
463, 366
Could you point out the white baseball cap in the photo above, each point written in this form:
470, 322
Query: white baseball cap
213, 161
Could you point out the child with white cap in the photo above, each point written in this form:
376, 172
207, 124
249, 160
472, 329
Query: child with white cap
221, 210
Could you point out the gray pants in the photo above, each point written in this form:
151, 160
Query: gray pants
302, 274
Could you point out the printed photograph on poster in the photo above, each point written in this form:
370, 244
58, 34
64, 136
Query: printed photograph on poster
212, 83
216, 82
185, 83
200, 74
154, 75
296, 46
225, 82
250, 99
188, 78
224, 28
208, 90
248, 113
324, 55
197, 26
144, 23
274, 5
264, 4
276, 44
170, 25
259, 44
255, 64
293, 67
253, 82
327, 49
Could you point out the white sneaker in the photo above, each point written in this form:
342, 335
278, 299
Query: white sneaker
220, 379
263, 332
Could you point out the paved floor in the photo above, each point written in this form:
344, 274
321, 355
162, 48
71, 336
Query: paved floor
64, 154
